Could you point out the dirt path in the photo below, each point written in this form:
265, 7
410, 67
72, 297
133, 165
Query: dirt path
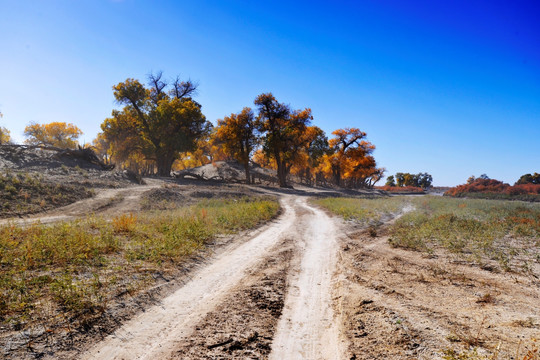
157, 332
306, 328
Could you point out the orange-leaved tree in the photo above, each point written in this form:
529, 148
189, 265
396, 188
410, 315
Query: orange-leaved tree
58, 134
237, 134
350, 159
282, 131
314, 145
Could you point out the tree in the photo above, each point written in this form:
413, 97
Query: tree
529, 179
424, 180
282, 129
238, 137
390, 181
161, 123
351, 158
102, 147
58, 134
5, 137
400, 179
313, 145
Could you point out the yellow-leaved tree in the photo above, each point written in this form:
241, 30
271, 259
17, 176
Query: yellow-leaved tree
159, 121
5, 137
58, 134
237, 134
282, 130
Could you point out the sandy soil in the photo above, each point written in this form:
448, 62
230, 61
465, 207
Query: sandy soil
307, 328
400, 304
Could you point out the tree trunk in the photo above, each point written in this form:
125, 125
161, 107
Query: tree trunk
164, 164
246, 168
282, 176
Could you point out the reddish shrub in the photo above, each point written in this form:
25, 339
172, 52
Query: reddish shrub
494, 186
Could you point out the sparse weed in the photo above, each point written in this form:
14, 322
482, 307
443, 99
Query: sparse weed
477, 229
76, 268
24, 193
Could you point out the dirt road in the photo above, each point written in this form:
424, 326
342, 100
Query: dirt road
305, 329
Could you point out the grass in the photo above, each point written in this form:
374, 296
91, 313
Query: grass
69, 272
529, 352
363, 210
499, 196
478, 230
23, 193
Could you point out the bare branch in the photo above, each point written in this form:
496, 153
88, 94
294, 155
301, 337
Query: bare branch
182, 89
157, 86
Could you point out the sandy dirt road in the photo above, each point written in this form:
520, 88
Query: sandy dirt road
305, 329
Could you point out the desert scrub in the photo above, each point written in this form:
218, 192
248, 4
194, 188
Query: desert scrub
363, 210
68, 272
24, 193
505, 231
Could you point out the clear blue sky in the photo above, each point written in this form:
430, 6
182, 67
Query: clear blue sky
447, 87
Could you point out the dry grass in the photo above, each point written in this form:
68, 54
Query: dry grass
67, 273
363, 210
475, 230
24, 193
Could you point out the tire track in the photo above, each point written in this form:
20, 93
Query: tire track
307, 329
156, 333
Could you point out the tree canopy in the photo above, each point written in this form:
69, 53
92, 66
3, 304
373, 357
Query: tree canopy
238, 137
157, 122
529, 179
58, 134
282, 131
422, 180
350, 159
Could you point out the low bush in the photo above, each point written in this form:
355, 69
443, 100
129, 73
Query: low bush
495, 189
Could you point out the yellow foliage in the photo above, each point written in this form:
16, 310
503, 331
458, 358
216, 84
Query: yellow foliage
59, 134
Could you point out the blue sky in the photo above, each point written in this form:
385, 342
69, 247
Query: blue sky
447, 87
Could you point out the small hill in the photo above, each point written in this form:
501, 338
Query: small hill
34, 179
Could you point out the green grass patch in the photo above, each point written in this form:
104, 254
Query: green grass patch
363, 210
505, 231
68, 272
